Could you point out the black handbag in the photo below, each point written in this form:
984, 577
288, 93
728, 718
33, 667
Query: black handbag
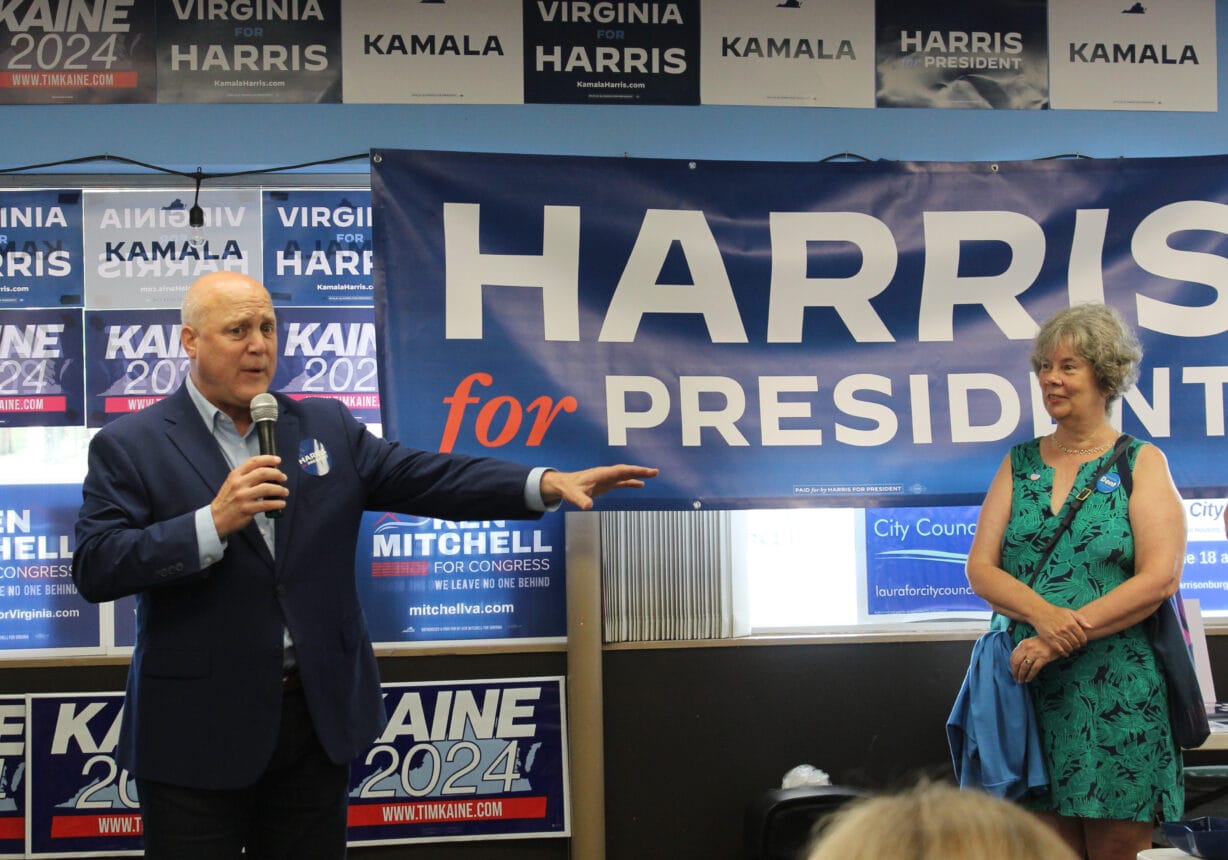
1170, 639
1169, 633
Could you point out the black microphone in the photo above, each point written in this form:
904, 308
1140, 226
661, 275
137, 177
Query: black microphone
264, 416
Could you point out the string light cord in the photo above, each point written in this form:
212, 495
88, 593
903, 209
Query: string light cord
843, 156
197, 175
853, 156
196, 215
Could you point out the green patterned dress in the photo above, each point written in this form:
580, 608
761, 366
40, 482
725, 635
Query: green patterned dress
1101, 711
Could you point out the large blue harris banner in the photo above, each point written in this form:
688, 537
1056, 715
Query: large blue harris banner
774, 334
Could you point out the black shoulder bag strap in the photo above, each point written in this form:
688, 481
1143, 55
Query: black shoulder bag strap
1072, 508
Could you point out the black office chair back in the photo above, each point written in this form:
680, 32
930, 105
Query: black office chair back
781, 822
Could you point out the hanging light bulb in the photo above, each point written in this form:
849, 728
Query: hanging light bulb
196, 216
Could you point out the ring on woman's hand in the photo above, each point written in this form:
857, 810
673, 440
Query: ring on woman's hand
1027, 660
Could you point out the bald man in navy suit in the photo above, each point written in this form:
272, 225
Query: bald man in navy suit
253, 683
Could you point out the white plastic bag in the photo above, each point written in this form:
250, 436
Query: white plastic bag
805, 775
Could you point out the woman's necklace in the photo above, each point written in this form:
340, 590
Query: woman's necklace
1079, 452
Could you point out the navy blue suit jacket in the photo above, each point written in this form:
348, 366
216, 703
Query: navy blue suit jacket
205, 685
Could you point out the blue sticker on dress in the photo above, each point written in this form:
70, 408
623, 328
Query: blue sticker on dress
1108, 482
313, 457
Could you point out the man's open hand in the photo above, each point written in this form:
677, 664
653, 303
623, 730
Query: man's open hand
580, 488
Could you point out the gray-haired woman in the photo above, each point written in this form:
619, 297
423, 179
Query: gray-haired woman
1099, 694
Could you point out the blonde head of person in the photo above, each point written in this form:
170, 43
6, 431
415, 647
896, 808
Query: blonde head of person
937, 822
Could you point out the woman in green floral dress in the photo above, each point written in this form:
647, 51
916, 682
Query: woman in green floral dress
1114, 769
